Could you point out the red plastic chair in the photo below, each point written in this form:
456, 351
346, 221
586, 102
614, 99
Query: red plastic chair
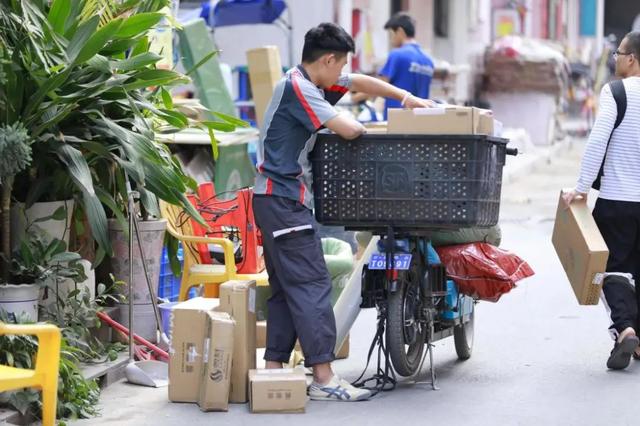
229, 218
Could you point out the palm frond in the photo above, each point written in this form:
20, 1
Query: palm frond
105, 9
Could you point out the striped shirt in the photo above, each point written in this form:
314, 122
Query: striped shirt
621, 178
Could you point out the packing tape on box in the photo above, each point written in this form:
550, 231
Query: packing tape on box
430, 111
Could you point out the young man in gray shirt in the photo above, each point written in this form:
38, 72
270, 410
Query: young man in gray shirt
303, 103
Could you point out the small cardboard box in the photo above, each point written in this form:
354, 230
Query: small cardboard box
216, 367
581, 250
446, 120
265, 70
188, 332
238, 299
278, 391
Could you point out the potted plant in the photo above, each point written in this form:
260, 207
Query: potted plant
36, 266
93, 100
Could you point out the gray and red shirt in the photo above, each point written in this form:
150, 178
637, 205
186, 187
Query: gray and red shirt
298, 109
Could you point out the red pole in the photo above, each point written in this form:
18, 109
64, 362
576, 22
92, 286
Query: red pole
108, 320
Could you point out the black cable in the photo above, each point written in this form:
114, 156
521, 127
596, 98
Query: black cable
385, 377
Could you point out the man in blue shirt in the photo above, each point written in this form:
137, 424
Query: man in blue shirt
407, 66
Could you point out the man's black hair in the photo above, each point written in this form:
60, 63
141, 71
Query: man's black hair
326, 38
633, 43
404, 21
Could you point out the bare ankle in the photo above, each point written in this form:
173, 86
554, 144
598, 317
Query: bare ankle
273, 365
627, 332
322, 373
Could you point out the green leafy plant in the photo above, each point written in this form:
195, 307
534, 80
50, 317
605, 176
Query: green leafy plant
39, 262
76, 314
77, 397
81, 77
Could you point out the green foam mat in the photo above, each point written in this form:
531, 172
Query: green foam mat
195, 45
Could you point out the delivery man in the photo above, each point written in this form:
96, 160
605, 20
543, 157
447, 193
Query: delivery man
407, 66
612, 157
302, 104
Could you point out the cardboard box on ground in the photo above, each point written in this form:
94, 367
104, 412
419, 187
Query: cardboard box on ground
238, 298
215, 380
189, 326
442, 120
581, 250
281, 391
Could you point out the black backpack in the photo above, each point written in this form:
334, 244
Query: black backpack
620, 96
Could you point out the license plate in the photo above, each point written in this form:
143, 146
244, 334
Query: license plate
400, 262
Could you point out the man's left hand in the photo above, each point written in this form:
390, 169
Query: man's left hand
415, 102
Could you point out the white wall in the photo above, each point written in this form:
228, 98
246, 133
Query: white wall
422, 12
376, 14
464, 47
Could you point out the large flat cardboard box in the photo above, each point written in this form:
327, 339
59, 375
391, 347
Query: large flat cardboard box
581, 250
265, 70
261, 334
215, 380
188, 332
446, 120
278, 391
238, 299
343, 352
261, 341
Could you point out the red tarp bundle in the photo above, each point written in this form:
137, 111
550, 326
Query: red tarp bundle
483, 271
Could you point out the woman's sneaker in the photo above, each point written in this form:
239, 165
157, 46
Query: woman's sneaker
337, 390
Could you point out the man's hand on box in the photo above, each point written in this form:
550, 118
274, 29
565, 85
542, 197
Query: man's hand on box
415, 102
573, 196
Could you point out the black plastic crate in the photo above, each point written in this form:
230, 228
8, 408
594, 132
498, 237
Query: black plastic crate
408, 181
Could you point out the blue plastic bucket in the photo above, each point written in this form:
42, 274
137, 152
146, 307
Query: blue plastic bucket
165, 316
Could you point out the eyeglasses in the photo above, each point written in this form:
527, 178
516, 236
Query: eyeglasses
619, 53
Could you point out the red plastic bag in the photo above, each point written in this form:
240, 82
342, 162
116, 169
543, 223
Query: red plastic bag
483, 271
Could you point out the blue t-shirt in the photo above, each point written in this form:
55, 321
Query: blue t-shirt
408, 68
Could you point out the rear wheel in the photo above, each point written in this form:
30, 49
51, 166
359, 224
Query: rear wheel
463, 338
405, 334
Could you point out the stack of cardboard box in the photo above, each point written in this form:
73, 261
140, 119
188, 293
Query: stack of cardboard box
213, 350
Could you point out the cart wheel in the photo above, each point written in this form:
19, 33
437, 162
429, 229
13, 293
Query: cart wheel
405, 335
463, 338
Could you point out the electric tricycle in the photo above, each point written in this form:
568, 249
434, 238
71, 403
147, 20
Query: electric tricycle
401, 188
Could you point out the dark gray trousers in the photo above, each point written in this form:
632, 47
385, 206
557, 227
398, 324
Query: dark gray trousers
300, 304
